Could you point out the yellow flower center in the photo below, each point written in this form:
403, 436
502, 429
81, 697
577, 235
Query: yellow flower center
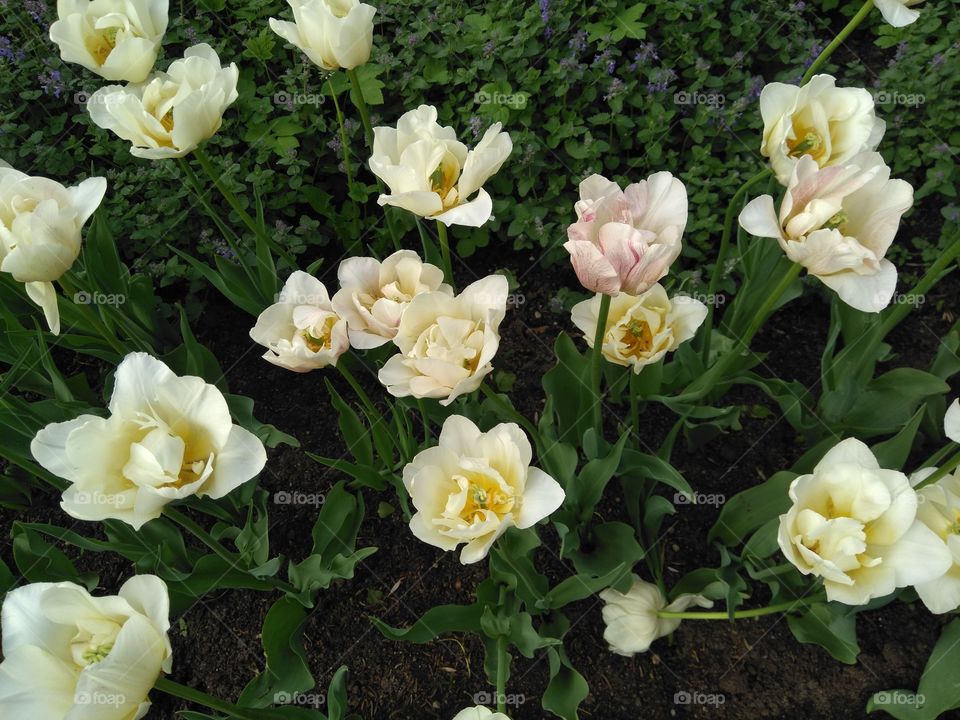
638, 338
102, 44
167, 121
443, 181
810, 143
484, 494
837, 220
95, 654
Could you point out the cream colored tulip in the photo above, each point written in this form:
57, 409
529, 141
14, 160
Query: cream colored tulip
67, 654
40, 232
447, 344
855, 525
432, 174
170, 114
951, 421
631, 618
167, 438
831, 125
116, 39
641, 329
626, 240
939, 510
302, 331
334, 34
479, 713
898, 12
838, 222
474, 486
373, 295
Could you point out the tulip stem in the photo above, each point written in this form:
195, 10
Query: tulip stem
948, 467
705, 383
503, 662
596, 367
199, 697
837, 41
361, 393
634, 392
737, 615
445, 253
345, 145
425, 419
899, 311
368, 132
735, 203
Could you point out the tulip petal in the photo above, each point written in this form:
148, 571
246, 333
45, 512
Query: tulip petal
471, 214
867, 293
241, 458
951, 421
759, 218
541, 496
35, 684
918, 556
44, 294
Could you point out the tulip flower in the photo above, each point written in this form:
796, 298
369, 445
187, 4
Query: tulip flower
643, 328
334, 34
473, 486
479, 713
838, 222
40, 224
302, 331
116, 39
856, 526
170, 114
373, 295
831, 125
898, 12
939, 510
67, 654
432, 174
631, 618
626, 240
167, 438
447, 343
951, 421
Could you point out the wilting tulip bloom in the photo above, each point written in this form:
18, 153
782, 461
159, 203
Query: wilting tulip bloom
939, 510
831, 125
855, 525
374, 294
171, 113
67, 654
838, 222
474, 486
951, 421
479, 713
643, 328
432, 174
167, 438
447, 343
626, 240
40, 224
898, 12
116, 39
302, 331
334, 34
632, 621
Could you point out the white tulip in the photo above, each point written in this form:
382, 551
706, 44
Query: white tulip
855, 525
40, 224
302, 331
819, 120
170, 114
939, 510
167, 438
68, 654
432, 174
838, 222
632, 621
334, 34
116, 39
374, 294
643, 328
447, 343
479, 713
951, 421
474, 486
898, 12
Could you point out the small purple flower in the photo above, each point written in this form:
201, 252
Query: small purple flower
578, 42
611, 67
50, 81
476, 124
489, 49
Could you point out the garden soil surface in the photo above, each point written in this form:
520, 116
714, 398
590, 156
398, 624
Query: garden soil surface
748, 669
